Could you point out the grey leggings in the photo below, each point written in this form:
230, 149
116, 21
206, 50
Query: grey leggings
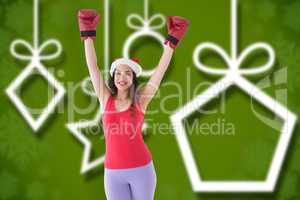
130, 184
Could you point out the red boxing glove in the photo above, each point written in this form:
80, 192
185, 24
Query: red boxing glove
177, 27
88, 20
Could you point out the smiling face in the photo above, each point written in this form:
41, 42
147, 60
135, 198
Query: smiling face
123, 77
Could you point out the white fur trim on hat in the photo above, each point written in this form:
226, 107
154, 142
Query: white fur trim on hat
132, 64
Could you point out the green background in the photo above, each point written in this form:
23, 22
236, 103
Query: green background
46, 165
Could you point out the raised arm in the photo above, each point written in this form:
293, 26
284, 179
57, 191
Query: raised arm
88, 20
96, 76
147, 92
177, 27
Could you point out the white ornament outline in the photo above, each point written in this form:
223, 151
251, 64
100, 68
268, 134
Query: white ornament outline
35, 64
233, 77
144, 29
86, 164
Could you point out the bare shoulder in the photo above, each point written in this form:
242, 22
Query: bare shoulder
103, 100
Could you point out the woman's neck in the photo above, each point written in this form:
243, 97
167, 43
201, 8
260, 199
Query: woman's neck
122, 95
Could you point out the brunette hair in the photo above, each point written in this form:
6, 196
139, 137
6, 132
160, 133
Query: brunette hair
132, 92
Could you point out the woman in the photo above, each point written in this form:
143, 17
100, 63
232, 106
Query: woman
129, 172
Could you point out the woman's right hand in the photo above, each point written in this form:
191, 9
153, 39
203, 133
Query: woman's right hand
88, 20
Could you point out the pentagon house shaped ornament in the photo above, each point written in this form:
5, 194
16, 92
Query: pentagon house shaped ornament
145, 28
35, 65
233, 76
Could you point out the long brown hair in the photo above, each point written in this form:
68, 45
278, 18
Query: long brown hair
132, 92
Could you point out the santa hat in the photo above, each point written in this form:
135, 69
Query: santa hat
133, 63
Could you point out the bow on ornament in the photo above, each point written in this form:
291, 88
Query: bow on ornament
146, 23
35, 51
234, 62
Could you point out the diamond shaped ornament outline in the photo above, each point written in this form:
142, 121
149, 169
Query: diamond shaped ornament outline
35, 124
232, 76
35, 57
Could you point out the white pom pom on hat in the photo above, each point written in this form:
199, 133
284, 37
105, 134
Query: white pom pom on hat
133, 63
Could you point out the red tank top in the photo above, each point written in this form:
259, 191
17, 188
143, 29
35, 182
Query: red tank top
124, 144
